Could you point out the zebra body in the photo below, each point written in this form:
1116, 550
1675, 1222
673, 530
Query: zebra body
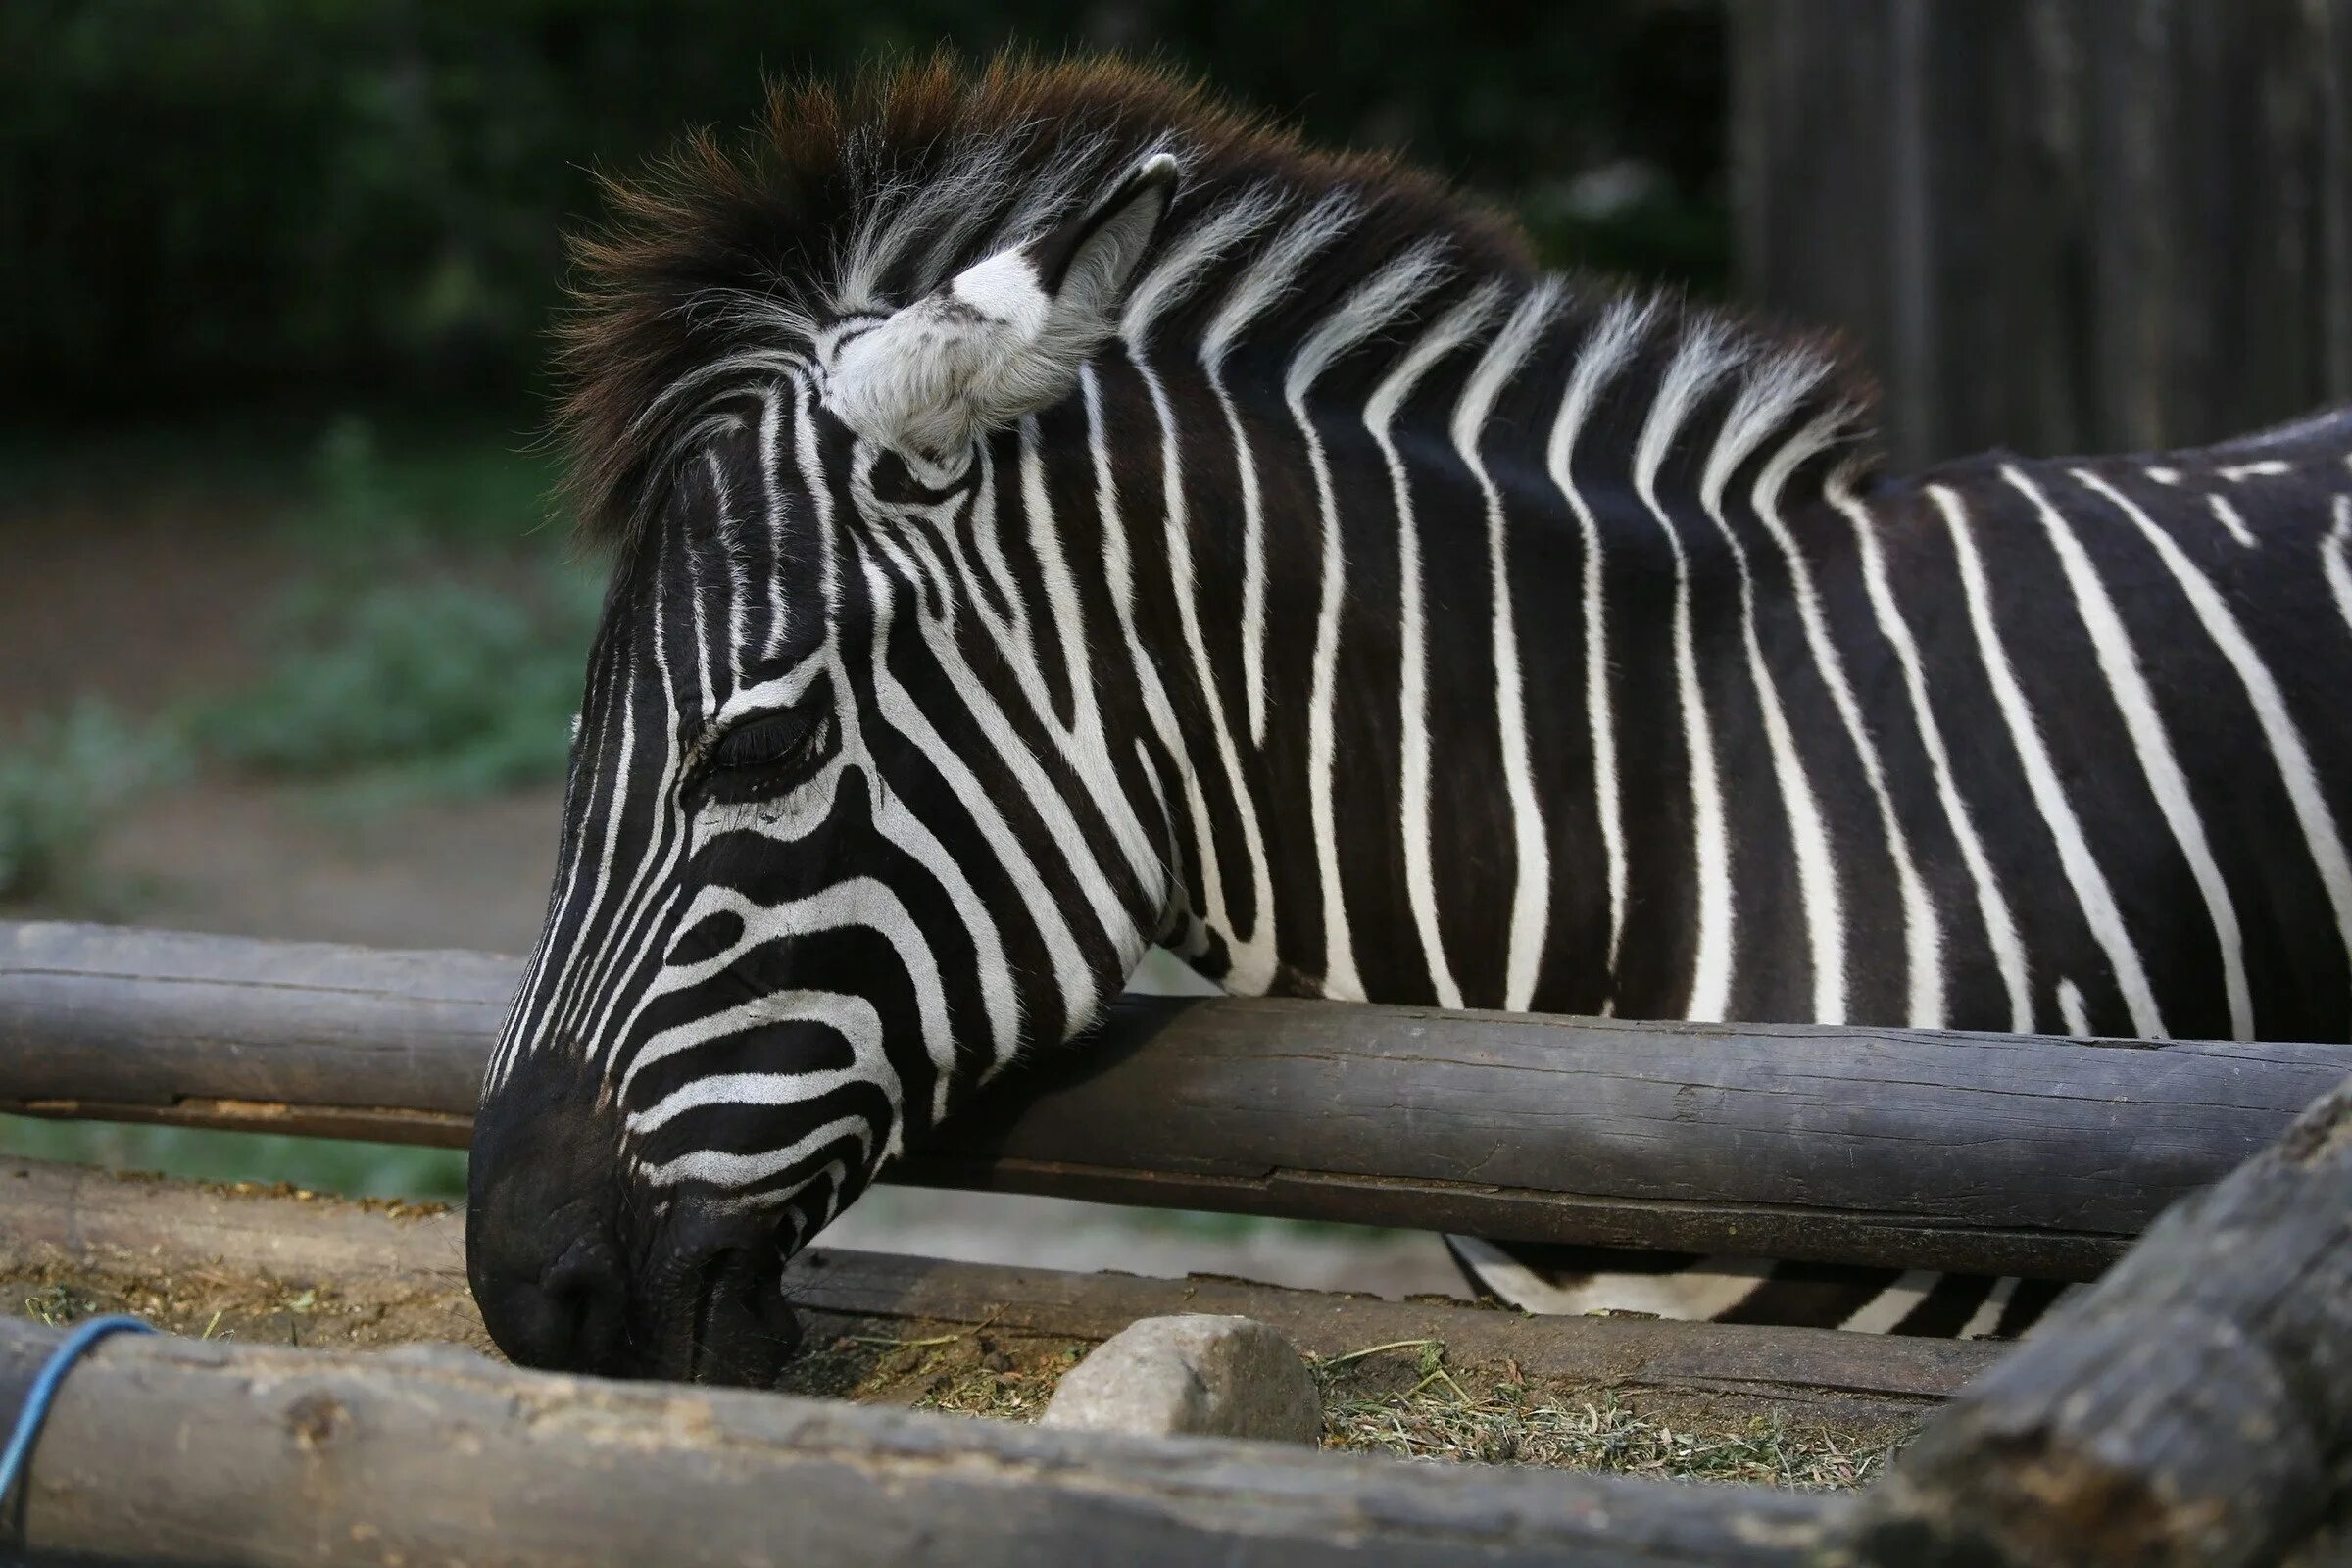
1051, 516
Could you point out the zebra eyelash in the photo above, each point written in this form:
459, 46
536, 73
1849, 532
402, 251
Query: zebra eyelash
761, 756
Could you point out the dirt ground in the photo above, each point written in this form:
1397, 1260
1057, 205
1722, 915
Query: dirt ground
1407, 1399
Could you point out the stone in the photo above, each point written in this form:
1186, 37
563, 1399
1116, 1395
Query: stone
1197, 1375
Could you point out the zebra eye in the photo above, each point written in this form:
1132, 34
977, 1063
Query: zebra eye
763, 742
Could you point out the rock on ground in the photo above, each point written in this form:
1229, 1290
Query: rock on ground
1226, 1377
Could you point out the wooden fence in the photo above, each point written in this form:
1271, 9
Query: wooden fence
2059, 226
2195, 1407
1981, 1153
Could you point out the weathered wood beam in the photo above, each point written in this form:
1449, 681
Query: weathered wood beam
172, 1450
94, 1225
1992, 1153
2194, 1408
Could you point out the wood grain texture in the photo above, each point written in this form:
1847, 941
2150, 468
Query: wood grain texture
2058, 226
1984, 1153
86, 1222
175, 1450
2194, 1408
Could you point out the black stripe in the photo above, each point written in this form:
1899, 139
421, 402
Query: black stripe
1946, 1309
1819, 1296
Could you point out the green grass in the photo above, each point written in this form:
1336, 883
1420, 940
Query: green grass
62, 778
316, 1164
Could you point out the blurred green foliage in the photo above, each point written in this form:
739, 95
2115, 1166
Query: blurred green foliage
317, 1165
62, 777
248, 199
441, 686
402, 662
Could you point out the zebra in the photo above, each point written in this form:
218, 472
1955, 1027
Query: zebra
1051, 514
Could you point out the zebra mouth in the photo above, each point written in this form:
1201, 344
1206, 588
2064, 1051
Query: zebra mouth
741, 1333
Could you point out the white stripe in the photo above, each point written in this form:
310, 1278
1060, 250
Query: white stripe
2285, 740
1412, 701
896, 707
2000, 928
1191, 258
1253, 951
2072, 1008
1052, 810
852, 1017
649, 893
1087, 747
635, 913
1763, 406
1986, 1318
1119, 572
710, 1167
1603, 355
2119, 662
2089, 883
2335, 559
1923, 930
855, 903
1373, 306
527, 1021
1882, 1311
1270, 278
1697, 1294
730, 555
1701, 361
2268, 468
2226, 515
1531, 900
769, 419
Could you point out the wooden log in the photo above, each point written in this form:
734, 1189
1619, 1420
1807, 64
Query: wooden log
95, 1225
2194, 1408
1989, 1154
171, 1450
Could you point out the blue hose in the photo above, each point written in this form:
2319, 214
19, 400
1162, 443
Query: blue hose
44, 1391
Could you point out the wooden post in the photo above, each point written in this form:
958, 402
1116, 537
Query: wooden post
175, 1450
2060, 225
1991, 1153
2193, 1409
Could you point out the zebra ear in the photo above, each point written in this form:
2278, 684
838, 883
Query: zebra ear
1006, 336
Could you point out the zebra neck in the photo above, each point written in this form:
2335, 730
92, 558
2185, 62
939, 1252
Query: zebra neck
1402, 655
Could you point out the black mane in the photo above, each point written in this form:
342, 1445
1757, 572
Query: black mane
863, 198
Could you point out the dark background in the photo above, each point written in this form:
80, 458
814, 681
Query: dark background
262, 200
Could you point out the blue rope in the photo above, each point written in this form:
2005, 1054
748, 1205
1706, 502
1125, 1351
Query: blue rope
45, 1386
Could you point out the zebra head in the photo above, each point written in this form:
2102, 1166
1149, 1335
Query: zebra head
850, 822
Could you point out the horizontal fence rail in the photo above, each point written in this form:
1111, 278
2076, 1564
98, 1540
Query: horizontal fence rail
437, 1456
1995, 1154
2195, 1407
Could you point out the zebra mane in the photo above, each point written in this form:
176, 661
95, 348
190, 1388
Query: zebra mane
723, 262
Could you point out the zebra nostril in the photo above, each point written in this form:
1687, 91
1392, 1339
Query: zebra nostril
588, 1299
573, 1318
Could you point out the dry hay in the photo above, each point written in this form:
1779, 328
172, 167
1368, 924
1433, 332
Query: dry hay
1401, 1400
1406, 1398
